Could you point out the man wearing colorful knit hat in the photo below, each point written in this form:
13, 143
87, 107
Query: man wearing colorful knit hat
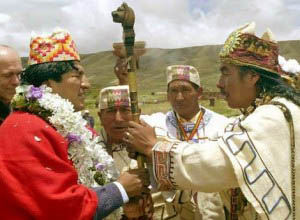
255, 164
114, 113
114, 109
191, 122
52, 166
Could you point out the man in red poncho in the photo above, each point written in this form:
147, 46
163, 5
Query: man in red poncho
50, 163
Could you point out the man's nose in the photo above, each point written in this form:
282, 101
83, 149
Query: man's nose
85, 83
119, 116
179, 96
15, 79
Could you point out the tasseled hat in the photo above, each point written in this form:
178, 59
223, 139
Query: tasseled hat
183, 72
243, 48
114, 96
57, 46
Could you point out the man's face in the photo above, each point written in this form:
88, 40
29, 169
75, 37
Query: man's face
238, 92
114, 121
10, 70
183, 97
73, 86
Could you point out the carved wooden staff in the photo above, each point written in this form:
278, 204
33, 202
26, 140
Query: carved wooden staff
125, 16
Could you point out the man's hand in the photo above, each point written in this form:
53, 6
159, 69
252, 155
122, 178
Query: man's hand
141, 138
141, 206
132, 153
135, 182
121, 71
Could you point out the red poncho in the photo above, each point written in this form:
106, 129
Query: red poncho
38, 180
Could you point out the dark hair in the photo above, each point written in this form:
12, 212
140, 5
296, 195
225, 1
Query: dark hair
271, 84
39, 73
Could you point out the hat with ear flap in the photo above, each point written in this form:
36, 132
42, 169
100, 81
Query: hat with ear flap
57, 46
183, 72
243, 48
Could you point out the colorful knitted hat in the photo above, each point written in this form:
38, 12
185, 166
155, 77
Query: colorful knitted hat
183, 72
58, 46
243, 48
114, 96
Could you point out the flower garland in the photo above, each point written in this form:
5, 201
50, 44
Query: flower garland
93, 164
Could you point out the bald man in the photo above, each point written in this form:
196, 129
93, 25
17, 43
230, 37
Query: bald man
10, 70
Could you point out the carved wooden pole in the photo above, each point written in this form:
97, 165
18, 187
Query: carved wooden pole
139, 50
125, 16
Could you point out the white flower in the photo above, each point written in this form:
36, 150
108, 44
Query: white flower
22, 89
84, 154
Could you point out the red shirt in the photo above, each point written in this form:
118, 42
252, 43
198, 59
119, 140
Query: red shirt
38, 180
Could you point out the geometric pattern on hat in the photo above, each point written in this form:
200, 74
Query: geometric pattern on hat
59, 46
183, 72
243, 48
114, 96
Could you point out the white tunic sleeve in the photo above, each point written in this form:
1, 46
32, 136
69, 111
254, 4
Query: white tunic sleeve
193, 166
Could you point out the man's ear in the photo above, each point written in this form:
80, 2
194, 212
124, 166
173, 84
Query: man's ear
199, 91
50, 83
46, 83
168, 96
254, 77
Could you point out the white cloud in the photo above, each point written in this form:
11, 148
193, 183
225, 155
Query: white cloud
4, 18
161, 23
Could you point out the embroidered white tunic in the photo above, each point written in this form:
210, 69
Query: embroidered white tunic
254, 154
211, 127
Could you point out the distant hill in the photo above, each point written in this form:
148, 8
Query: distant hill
151, 75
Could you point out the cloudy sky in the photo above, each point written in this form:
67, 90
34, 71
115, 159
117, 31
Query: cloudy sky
161, 23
